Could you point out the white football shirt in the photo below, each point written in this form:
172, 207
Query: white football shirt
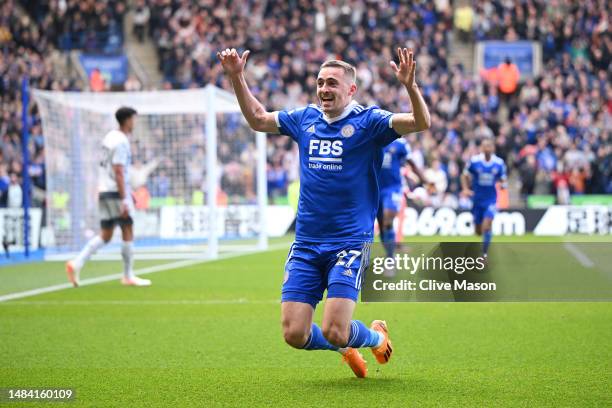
115, 150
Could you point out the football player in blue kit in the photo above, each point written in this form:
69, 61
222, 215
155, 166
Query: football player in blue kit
341, 151
396, 155
479, 181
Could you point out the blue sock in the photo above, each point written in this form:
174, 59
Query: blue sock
388, 239
362, 336
486, 240
316, 340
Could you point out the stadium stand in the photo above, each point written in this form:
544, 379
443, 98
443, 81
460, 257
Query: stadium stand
553, 131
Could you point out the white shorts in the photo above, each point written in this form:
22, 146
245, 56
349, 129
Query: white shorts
109, 204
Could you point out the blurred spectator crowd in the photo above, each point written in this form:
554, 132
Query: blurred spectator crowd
31, 33
553, 131
24, 49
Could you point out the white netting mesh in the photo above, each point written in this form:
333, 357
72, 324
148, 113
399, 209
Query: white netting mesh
169, 165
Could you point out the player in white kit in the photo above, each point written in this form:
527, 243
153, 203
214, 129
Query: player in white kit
115, 201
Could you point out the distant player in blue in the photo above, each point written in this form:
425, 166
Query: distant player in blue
396, 155
478, 181
341, 152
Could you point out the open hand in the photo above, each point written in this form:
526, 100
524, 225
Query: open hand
232, 62
407, 67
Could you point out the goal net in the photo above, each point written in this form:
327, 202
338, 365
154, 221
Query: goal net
197, 175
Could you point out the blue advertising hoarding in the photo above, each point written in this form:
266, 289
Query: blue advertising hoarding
114, 68
526, 55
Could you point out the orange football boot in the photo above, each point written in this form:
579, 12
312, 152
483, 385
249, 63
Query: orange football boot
355, 360
72, 274
384, 351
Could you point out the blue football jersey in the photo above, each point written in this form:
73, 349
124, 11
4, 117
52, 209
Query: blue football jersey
395, 155
340, 161
484, 176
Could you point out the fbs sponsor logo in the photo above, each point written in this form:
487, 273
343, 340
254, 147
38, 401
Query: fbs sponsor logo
324, 147
325, 155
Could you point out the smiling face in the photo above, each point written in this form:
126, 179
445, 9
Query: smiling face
335, 89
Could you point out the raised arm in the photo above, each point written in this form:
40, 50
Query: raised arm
419, 119
254, 112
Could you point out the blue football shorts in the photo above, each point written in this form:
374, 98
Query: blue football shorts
480, 212
311, 268
391, 198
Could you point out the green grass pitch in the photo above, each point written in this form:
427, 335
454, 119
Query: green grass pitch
209, 335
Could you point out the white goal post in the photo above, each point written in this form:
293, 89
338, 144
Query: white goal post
198, 171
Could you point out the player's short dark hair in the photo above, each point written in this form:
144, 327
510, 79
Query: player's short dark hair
348, 68
124, 113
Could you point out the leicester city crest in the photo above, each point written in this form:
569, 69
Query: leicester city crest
347, 130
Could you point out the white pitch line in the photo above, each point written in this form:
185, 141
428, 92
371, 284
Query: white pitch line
240, 301
151, 253
580, 256
143, 271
